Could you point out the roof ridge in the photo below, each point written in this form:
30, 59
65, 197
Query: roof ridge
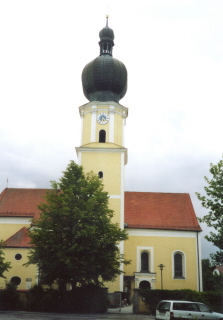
157, 192
28, 188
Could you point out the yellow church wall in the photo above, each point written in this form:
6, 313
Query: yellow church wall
114, 204
18, 270
113, 286
161, 251
109, 163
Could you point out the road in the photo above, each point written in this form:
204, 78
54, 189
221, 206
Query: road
23, 315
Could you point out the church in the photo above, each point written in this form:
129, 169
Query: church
163, 232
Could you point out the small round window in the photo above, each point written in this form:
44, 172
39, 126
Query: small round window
18, 256
15, 281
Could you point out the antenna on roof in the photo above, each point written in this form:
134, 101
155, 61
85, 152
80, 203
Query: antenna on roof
107, 16
7, 183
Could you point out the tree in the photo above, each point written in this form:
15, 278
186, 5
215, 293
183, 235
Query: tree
211, 282
4, 266
214, 202
74, 240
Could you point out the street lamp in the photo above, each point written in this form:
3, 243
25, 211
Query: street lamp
161, 266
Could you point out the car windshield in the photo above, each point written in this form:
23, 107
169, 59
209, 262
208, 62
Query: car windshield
204, 308
164, 306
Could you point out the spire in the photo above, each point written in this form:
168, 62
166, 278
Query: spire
107, 16
105, 78
107, 36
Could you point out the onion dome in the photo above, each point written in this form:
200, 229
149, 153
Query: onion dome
105, 78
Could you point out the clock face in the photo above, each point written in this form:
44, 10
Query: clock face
102, 118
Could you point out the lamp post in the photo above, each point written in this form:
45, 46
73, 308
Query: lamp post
161, 266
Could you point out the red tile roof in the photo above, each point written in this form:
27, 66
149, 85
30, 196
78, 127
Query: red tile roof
16, 202
170, 211
19, 239
219, 268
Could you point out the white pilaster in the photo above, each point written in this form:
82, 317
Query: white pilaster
111, 124
93, 123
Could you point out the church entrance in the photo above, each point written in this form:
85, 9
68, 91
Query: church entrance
144, 285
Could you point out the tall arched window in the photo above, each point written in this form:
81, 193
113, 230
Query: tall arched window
102, 136
144, 261
179, 268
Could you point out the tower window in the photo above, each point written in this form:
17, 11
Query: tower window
100, 175
102, 136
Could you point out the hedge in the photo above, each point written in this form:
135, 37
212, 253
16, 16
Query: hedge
88, 299
213, 299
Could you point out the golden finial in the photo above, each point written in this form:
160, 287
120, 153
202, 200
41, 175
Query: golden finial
107, 16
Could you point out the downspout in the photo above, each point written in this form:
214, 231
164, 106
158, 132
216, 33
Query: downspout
199, 264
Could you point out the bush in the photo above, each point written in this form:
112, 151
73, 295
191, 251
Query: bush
9, 298
88, 299
213, 300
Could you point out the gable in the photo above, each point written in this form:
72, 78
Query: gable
151, 210
19, 239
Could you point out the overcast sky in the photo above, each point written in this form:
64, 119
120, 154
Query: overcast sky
173, 52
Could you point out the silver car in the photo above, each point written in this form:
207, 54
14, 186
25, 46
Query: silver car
179, 310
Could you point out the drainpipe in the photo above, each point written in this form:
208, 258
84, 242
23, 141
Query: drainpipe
200, 287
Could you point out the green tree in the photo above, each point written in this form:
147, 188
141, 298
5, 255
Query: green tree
214, 202
211, 282
4, 266
74, 240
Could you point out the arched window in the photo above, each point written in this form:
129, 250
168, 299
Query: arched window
100, 175
179, 268
102, 136
144, 261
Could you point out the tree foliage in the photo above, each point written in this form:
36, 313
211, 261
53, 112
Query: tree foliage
213, 201
211, 282
74, 240
4, 266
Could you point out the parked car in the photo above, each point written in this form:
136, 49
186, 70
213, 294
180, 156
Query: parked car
179, 310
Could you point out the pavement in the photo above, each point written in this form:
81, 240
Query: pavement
112, 314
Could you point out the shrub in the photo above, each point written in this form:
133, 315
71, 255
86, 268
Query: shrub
9, 298
213, 300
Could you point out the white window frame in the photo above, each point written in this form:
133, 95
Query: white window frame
150, 251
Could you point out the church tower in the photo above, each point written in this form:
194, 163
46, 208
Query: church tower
103, 119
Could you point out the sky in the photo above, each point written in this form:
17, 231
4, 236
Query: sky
173, 52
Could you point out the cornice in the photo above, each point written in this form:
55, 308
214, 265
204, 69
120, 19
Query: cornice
104, 150
108, 106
